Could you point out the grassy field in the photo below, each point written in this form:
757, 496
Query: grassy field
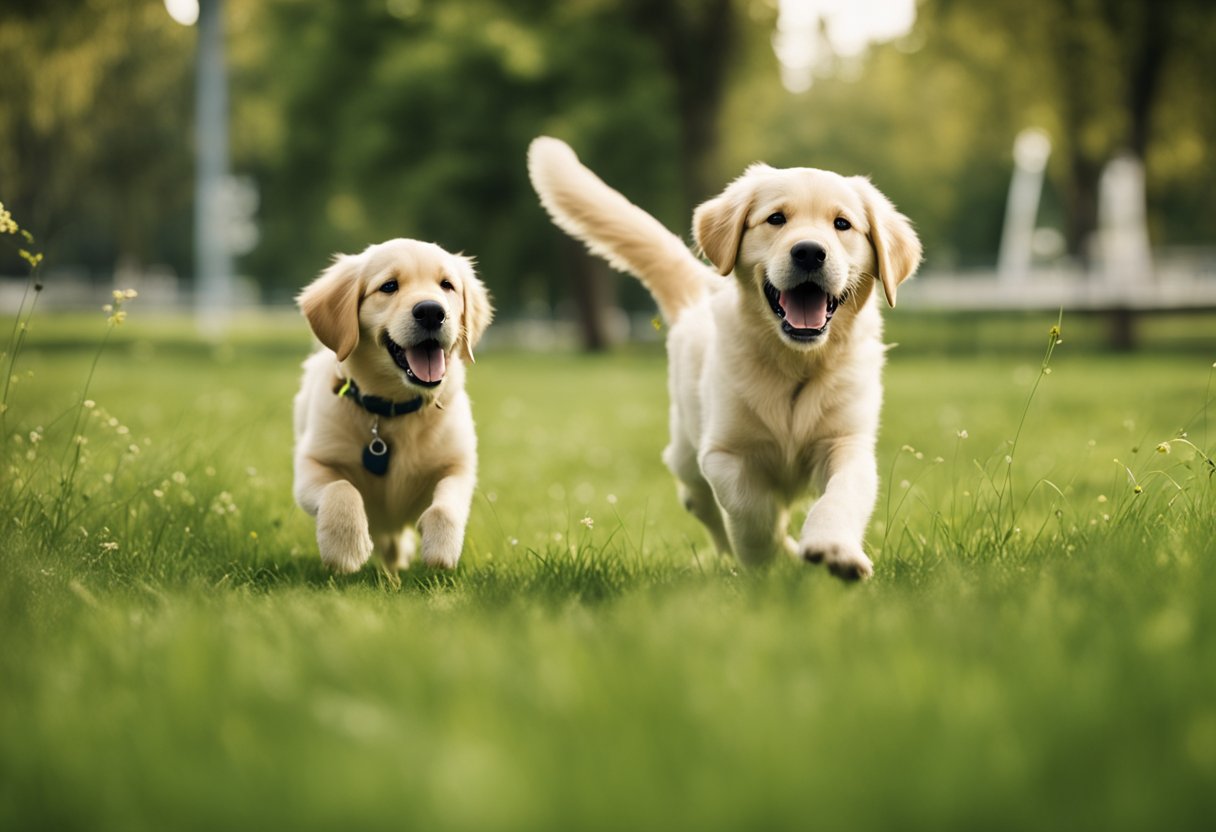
1037, 648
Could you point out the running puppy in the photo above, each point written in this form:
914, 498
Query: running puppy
383, 428
775, 374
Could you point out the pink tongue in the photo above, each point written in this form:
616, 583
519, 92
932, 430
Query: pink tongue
805, 309
427, 363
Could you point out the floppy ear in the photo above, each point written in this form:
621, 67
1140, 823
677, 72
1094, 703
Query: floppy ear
718, 228
331, 305
719, 223
897, 249
477, 310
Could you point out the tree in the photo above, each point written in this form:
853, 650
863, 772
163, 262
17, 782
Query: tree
94, 126
697, 40
413, 120
1122, 47
933, 115
1103, 70
377, 118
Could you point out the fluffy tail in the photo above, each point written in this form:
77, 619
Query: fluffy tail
614, 228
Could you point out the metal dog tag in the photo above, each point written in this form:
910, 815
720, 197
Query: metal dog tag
375, 455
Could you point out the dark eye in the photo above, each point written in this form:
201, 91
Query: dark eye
446, 285
389, 287
776, 219
842, 224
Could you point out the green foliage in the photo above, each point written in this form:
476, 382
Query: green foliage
415, 122
933, 116
95, 148
365, 120
176, 655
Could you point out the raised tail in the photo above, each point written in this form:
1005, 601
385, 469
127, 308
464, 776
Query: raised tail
614, 228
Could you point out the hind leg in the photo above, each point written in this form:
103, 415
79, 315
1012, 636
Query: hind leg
399, 550
695, 494
698, 499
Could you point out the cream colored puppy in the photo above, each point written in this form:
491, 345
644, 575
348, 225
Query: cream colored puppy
384, 432
775, 374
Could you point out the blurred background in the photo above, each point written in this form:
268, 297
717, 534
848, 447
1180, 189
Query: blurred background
1052, 153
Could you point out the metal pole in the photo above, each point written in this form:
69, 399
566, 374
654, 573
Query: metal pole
213, 261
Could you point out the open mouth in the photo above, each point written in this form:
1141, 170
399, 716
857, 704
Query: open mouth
424, 363
805, 311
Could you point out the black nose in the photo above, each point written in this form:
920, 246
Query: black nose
808, 255
429, 314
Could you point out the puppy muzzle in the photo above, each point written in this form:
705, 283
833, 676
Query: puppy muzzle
421, 349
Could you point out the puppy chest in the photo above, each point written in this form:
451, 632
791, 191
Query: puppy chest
789, 469
789, 448
400, 494
394, 471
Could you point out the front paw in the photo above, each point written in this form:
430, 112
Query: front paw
442, 538
342, 535
844, 559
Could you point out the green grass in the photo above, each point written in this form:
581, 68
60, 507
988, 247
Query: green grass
1037, 651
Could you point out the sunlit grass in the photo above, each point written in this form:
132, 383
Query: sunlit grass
1038, 646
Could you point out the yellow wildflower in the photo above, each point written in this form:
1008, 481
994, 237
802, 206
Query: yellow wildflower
7, 224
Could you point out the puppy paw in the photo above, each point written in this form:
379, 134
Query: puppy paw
343, 550
844, 560
342, 535
442, 539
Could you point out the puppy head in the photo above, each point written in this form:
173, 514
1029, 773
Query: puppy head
400, 309
806, 242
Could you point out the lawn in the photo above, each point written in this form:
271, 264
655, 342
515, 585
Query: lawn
1037, 648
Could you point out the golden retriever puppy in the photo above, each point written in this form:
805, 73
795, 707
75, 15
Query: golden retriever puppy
774, 374
383, 428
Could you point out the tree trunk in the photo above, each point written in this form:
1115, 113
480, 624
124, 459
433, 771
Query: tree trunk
1145, 29
1121, 335
590, 285
696, 41
1141, 33
1081, 195
1084, 169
